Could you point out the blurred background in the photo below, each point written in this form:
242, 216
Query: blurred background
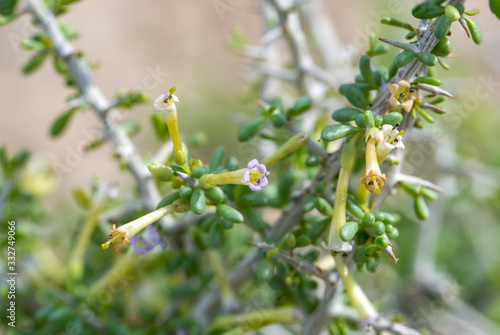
158, 44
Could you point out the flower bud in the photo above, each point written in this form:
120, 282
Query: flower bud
160, 171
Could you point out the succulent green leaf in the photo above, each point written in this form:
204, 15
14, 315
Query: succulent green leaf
336, 131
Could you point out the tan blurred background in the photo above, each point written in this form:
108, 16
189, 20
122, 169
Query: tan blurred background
184, 42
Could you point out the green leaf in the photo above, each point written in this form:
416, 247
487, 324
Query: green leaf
427, 80
61, 122
159, 126
475, 31
33, 44
216, 159
229, 213
392, 118
251, 129
301, 105
323, 207
198, 201
404, 58
367, 73
69, 31
354, 208
442, 27
215, 235
427, 10
348, 230
216, 194
345, 114
336, 131
420, 207
429, 194
265, 270
354, 95
452, 13
427, 58
35, 62
382, 242
254, 218
442, 48
396, 23
81, 198
7, 7
495, 7
185, 192
168, 200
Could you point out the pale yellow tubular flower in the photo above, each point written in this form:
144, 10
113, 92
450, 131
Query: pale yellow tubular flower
120, 236
374, 178
402, 96
165, 104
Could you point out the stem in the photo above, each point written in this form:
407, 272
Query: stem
358, 298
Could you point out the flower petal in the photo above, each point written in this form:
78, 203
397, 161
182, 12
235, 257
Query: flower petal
262, 168
263, 182
392, 88
407, 105
393, 101
246, 176
253, 164
403, 84
254, 188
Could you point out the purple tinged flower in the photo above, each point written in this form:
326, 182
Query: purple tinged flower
149, 239
255, 175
